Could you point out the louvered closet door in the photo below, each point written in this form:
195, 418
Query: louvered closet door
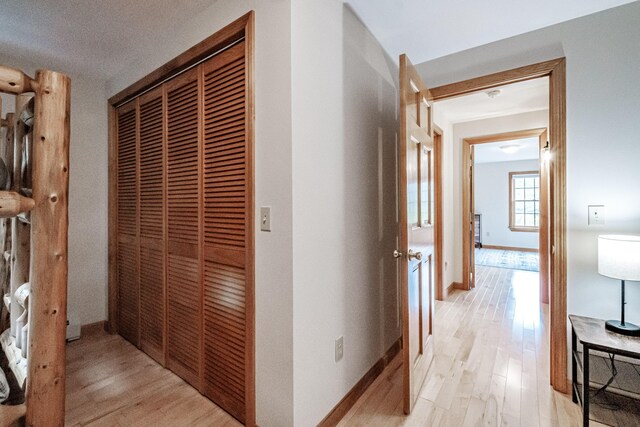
226, 197
183, 195
127, 258
152, 273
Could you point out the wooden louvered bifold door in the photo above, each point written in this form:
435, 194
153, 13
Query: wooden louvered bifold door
152, 253
183, 195
127, 226
225, 203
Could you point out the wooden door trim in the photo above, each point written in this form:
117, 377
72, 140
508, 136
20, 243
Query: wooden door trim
242, 28
195, 54
556, 71
438, 238
528, 72
467, 266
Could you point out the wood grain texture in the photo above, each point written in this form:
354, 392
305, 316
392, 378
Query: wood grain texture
45, 395
558, 226
416, 228
543, 242
127, 249
15, 81
152, 222
183, 201
454, 285
111, 383
467, 264
491, 363
196, 215
556, 71
112, 310
347, 402
90, 329
13, 203
225, 200
528, 72
250, 221
219, 40
439, 219
592, 332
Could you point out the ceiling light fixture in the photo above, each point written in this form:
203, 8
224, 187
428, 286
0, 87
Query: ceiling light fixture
494, 93
510, 148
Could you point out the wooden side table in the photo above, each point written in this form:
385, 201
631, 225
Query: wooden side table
592, 335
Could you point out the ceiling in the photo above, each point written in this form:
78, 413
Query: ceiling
491, 152
88, 37
98, 38
428, 29
522, 97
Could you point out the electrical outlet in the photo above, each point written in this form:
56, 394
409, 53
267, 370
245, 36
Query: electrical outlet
596, 214
339, 349
488, 234
446, 264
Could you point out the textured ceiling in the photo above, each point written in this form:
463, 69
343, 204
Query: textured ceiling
98, 38
428, 29
88, 37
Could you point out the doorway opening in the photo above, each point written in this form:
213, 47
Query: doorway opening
506, 204
556, 123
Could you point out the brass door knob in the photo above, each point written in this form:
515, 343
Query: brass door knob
414, 255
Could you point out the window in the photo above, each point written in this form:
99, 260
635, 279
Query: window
524, 200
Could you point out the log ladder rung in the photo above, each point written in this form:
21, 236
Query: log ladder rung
12, 203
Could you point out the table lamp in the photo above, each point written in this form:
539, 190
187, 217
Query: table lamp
619, 258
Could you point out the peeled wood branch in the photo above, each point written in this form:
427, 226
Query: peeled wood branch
15, 81
11, 204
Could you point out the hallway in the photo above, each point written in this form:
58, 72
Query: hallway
491, 364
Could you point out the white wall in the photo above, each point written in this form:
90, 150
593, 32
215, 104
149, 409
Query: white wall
452, 176
603, 60
491, 188
273, 285
344, 187
87, 285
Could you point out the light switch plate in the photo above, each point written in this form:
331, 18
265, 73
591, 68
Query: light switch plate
596, 214
265, 218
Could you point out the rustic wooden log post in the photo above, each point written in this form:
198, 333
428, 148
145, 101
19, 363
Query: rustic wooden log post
12, 203
15, 81
48, 273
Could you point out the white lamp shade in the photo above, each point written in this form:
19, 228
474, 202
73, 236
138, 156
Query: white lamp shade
619, 257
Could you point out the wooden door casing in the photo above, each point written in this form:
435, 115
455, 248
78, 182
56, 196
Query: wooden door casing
417, 202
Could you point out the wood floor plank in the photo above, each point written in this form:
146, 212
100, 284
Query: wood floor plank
111, 383
490, 366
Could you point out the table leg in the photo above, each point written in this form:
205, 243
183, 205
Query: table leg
585, 385
574, 367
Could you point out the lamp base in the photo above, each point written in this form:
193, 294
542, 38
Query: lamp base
623, 329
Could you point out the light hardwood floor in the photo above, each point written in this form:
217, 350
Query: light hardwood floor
111, 383
491, 364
